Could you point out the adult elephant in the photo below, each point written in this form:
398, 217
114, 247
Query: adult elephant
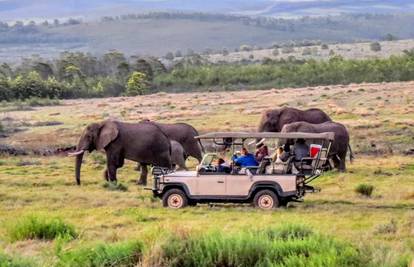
339, 146
139, 142
182, 133
178, 155
273, 120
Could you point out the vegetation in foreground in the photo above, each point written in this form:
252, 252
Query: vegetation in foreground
379, 228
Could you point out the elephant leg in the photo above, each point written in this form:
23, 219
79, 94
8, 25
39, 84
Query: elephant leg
342, 163
144, 173
112, 172
105, 175
336, 161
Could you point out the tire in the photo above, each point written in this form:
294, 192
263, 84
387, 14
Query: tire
266, 200
174, 199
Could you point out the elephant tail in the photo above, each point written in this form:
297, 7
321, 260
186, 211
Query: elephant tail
351, 154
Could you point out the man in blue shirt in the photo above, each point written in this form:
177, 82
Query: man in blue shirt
245, 160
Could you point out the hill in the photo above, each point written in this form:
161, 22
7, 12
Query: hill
34, 9
159, 33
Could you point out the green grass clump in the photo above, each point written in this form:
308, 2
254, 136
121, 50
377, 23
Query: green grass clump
12, 261
286, 246
115, 186
38, 227
101, 255
364, 189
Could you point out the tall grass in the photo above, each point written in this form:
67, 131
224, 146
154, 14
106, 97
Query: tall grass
286, 246
38, 227
101, 255
13, 261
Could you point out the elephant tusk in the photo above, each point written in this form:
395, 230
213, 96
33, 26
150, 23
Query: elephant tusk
76, 153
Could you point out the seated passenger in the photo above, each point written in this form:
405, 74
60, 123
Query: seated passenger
222, 166
245, 160
300, 149
261, 152
280, 155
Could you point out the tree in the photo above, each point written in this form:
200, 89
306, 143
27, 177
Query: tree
137, 84
375, 46
275, 52
6, 93
142, 65
390, 37
169, 56
178, 53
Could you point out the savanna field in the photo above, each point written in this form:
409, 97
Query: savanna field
363, 217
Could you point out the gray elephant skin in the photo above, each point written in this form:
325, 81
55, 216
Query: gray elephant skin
273, 120
139, 142
340, 145
184, 134
178, 155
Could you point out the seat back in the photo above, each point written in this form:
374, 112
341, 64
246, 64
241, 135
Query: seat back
320, 159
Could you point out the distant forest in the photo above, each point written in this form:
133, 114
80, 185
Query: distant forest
81, 75
141, 33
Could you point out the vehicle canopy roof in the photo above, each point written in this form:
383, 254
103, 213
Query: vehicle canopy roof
244, 135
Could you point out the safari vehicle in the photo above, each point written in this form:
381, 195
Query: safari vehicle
267, 186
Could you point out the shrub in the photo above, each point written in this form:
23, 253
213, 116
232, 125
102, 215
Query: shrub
375, 46
37, 227
258, 248
364, 189
101, 255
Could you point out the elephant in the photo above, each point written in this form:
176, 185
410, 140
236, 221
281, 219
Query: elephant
184, 134
339, 146
178, 155
273, 120
139, 142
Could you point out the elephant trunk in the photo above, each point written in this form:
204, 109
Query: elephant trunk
79, 159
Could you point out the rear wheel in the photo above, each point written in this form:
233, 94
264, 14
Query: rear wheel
266, 200
175, 199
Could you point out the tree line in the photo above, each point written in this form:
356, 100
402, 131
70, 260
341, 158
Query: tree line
81, 75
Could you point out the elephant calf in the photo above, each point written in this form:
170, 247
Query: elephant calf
139, 142
339, 146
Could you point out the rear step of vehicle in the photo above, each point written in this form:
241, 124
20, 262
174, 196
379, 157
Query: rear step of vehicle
311, 189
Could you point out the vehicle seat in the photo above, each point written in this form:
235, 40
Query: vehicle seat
266, 161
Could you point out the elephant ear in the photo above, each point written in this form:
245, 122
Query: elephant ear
108, 133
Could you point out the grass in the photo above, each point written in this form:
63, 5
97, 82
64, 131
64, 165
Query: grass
269, 247
103, 255
381, 225
115, 186
13, 261
38, 227
364, 189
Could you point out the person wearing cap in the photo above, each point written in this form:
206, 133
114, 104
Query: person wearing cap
262, 151
245, 160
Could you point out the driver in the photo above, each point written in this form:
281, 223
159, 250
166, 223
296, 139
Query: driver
223, 166
245, 160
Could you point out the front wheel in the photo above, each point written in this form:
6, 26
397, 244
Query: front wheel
266, 200
175, 199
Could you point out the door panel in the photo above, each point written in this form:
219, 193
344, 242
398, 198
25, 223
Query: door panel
238, 185
211, 185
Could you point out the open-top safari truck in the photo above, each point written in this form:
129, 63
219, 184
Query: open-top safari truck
267, 186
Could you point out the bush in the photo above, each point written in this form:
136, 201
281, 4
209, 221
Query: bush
259, 249
37, 227
375, 46
365, 189
101, 255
